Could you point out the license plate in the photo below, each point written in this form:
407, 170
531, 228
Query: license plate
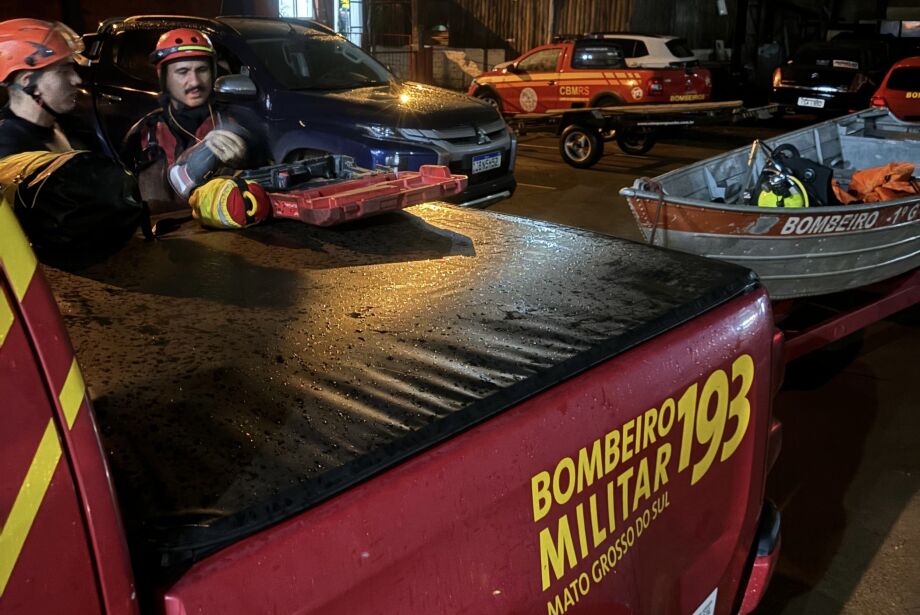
817, 103
485, 162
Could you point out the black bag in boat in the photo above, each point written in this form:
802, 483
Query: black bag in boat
815, 176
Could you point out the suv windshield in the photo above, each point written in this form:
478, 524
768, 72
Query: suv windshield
303, 59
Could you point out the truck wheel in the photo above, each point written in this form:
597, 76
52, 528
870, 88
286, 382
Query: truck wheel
635, 141
581, 147
607, 100
491, 98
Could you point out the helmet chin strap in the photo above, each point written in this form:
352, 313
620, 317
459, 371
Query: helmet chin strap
29, 89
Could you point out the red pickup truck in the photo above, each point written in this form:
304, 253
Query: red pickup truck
433, 411
585, 71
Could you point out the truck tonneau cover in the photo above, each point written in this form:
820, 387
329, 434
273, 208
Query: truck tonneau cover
241, 377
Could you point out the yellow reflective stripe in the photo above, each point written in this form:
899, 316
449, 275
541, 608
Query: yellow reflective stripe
17, 258
6, 318
15, 168
585, 82
579, 76
28, 501
72, 394
15, 254
38, 478
221, 205
193, 48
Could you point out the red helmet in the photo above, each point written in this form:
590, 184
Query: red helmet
33, 44
182, 43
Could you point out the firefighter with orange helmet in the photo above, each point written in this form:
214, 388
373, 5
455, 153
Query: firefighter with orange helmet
190, 139
71, 202
37, 60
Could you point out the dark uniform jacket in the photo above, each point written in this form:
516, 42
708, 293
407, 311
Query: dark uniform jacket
18, 135
159, 138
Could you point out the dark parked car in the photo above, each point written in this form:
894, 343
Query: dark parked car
832, 78
313, 90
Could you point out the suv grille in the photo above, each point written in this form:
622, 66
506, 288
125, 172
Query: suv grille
462, 134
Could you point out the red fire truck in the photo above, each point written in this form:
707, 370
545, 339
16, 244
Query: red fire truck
586, 71
433, 411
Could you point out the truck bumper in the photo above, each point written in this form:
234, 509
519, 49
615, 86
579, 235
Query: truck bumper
766, 554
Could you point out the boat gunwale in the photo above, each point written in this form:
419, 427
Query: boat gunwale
802, 239
633, 192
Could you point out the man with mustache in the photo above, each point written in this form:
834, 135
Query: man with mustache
180, 146
37, 60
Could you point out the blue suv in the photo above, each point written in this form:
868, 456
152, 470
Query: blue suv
314, 91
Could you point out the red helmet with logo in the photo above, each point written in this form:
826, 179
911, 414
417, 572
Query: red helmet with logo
33, 44
181, 44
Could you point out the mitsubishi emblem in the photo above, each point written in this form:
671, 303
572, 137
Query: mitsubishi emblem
481, 137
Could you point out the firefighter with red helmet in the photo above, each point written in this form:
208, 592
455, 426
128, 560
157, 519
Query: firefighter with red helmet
190, 140
37, 68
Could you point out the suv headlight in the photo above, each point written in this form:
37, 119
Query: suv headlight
379, 131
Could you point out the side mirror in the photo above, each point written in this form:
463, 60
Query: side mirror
235, 86
90, 41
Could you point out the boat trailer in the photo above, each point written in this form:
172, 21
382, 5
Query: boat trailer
809, 324
584, 131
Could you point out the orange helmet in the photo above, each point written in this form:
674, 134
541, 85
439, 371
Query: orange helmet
33, 44
182, 43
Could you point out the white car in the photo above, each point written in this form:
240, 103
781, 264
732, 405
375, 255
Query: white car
652, 50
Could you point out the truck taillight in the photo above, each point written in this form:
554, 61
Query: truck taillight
777, 77
878, 101
655, 86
